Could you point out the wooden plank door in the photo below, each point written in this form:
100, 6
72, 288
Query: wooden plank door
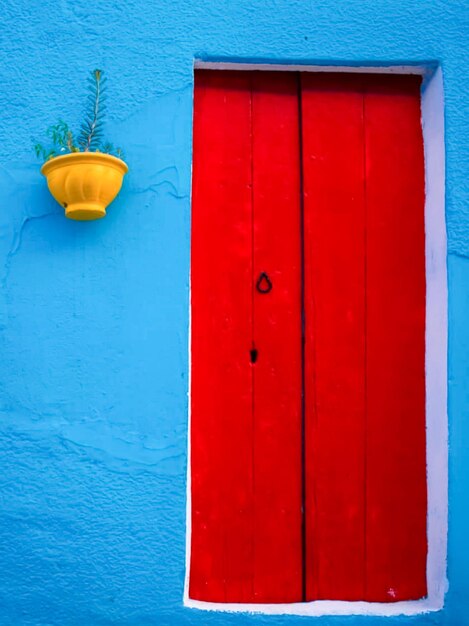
365, 337
246, 342
308, 319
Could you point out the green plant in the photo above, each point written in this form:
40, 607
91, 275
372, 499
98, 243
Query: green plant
90, 137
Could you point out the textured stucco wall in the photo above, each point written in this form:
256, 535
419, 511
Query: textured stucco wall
94, 316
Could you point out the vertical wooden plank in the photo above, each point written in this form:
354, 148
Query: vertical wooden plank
334, 214
396, 473
277, 338
221, 301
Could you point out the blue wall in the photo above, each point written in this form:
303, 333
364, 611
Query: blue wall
94, 316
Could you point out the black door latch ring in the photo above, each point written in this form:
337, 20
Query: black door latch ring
263, 284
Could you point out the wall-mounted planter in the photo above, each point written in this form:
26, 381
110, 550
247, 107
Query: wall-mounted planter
84, 183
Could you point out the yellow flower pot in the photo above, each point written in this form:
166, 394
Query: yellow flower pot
84, 183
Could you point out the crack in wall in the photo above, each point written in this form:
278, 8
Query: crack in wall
18, 242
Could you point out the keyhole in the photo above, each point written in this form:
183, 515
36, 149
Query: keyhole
253, 353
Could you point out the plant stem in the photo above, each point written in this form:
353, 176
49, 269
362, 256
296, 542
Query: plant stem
97, 77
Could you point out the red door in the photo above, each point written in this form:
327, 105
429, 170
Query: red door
308, 318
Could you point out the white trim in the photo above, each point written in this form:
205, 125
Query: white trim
419, 70
320, 608
436, 336
186, 598
432, 106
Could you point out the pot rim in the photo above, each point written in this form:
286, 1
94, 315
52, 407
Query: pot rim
98, 158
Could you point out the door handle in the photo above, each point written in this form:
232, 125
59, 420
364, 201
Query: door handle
263, 284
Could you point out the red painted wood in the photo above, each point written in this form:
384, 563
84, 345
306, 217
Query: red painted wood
396, 543
221, 386
277, 336
246, 430
365, 319
334, 209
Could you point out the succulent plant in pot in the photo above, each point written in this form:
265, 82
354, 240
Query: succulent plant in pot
84, 174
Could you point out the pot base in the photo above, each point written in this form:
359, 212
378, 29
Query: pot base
84, 212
